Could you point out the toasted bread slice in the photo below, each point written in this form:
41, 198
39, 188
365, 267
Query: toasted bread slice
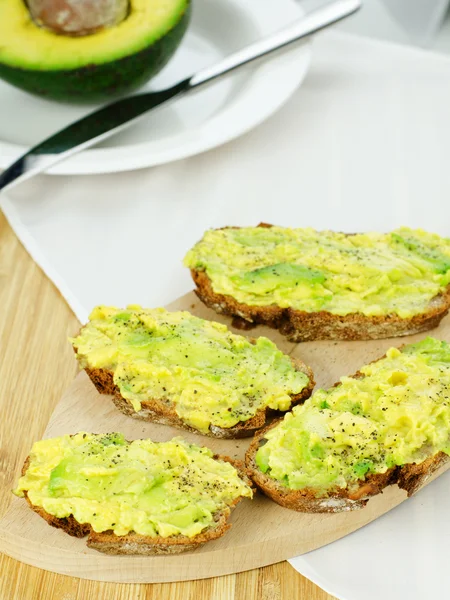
409, 476
136, 544
159, 410
163, 409
301, 325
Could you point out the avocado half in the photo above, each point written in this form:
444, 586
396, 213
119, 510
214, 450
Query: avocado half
94, 67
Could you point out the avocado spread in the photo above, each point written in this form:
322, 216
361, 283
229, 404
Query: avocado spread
398, 413
372, 273
154, 489
210, 375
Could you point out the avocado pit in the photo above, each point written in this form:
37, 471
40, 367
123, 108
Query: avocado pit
77, 17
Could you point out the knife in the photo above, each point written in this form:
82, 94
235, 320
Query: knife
115, 117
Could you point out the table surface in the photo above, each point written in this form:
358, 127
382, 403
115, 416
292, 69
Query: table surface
37, 365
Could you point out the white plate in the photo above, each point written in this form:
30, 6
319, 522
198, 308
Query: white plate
190, 125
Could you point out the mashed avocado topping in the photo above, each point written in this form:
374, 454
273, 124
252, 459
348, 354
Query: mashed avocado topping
154, 489
209, 374
398, 413
371, 273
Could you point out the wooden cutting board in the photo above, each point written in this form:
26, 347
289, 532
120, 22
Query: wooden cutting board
262, 532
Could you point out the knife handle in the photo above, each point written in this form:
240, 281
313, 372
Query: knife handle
305, 26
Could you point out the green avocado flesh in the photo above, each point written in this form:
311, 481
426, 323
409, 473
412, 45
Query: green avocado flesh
154, 489
374, 274
92, 67
210, 375
398, 413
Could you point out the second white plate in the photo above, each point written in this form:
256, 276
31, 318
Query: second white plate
190, 125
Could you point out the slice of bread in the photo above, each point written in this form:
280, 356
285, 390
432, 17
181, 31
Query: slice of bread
160, 410
409, 477
302, 326
232, 391
136, 544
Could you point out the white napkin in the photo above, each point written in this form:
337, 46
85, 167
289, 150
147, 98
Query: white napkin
400, 556
363, 145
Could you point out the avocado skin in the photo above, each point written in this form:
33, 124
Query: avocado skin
99, 83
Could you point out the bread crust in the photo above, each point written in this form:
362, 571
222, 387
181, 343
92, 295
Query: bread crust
302, 326
161, 410
409, 477
136, 544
